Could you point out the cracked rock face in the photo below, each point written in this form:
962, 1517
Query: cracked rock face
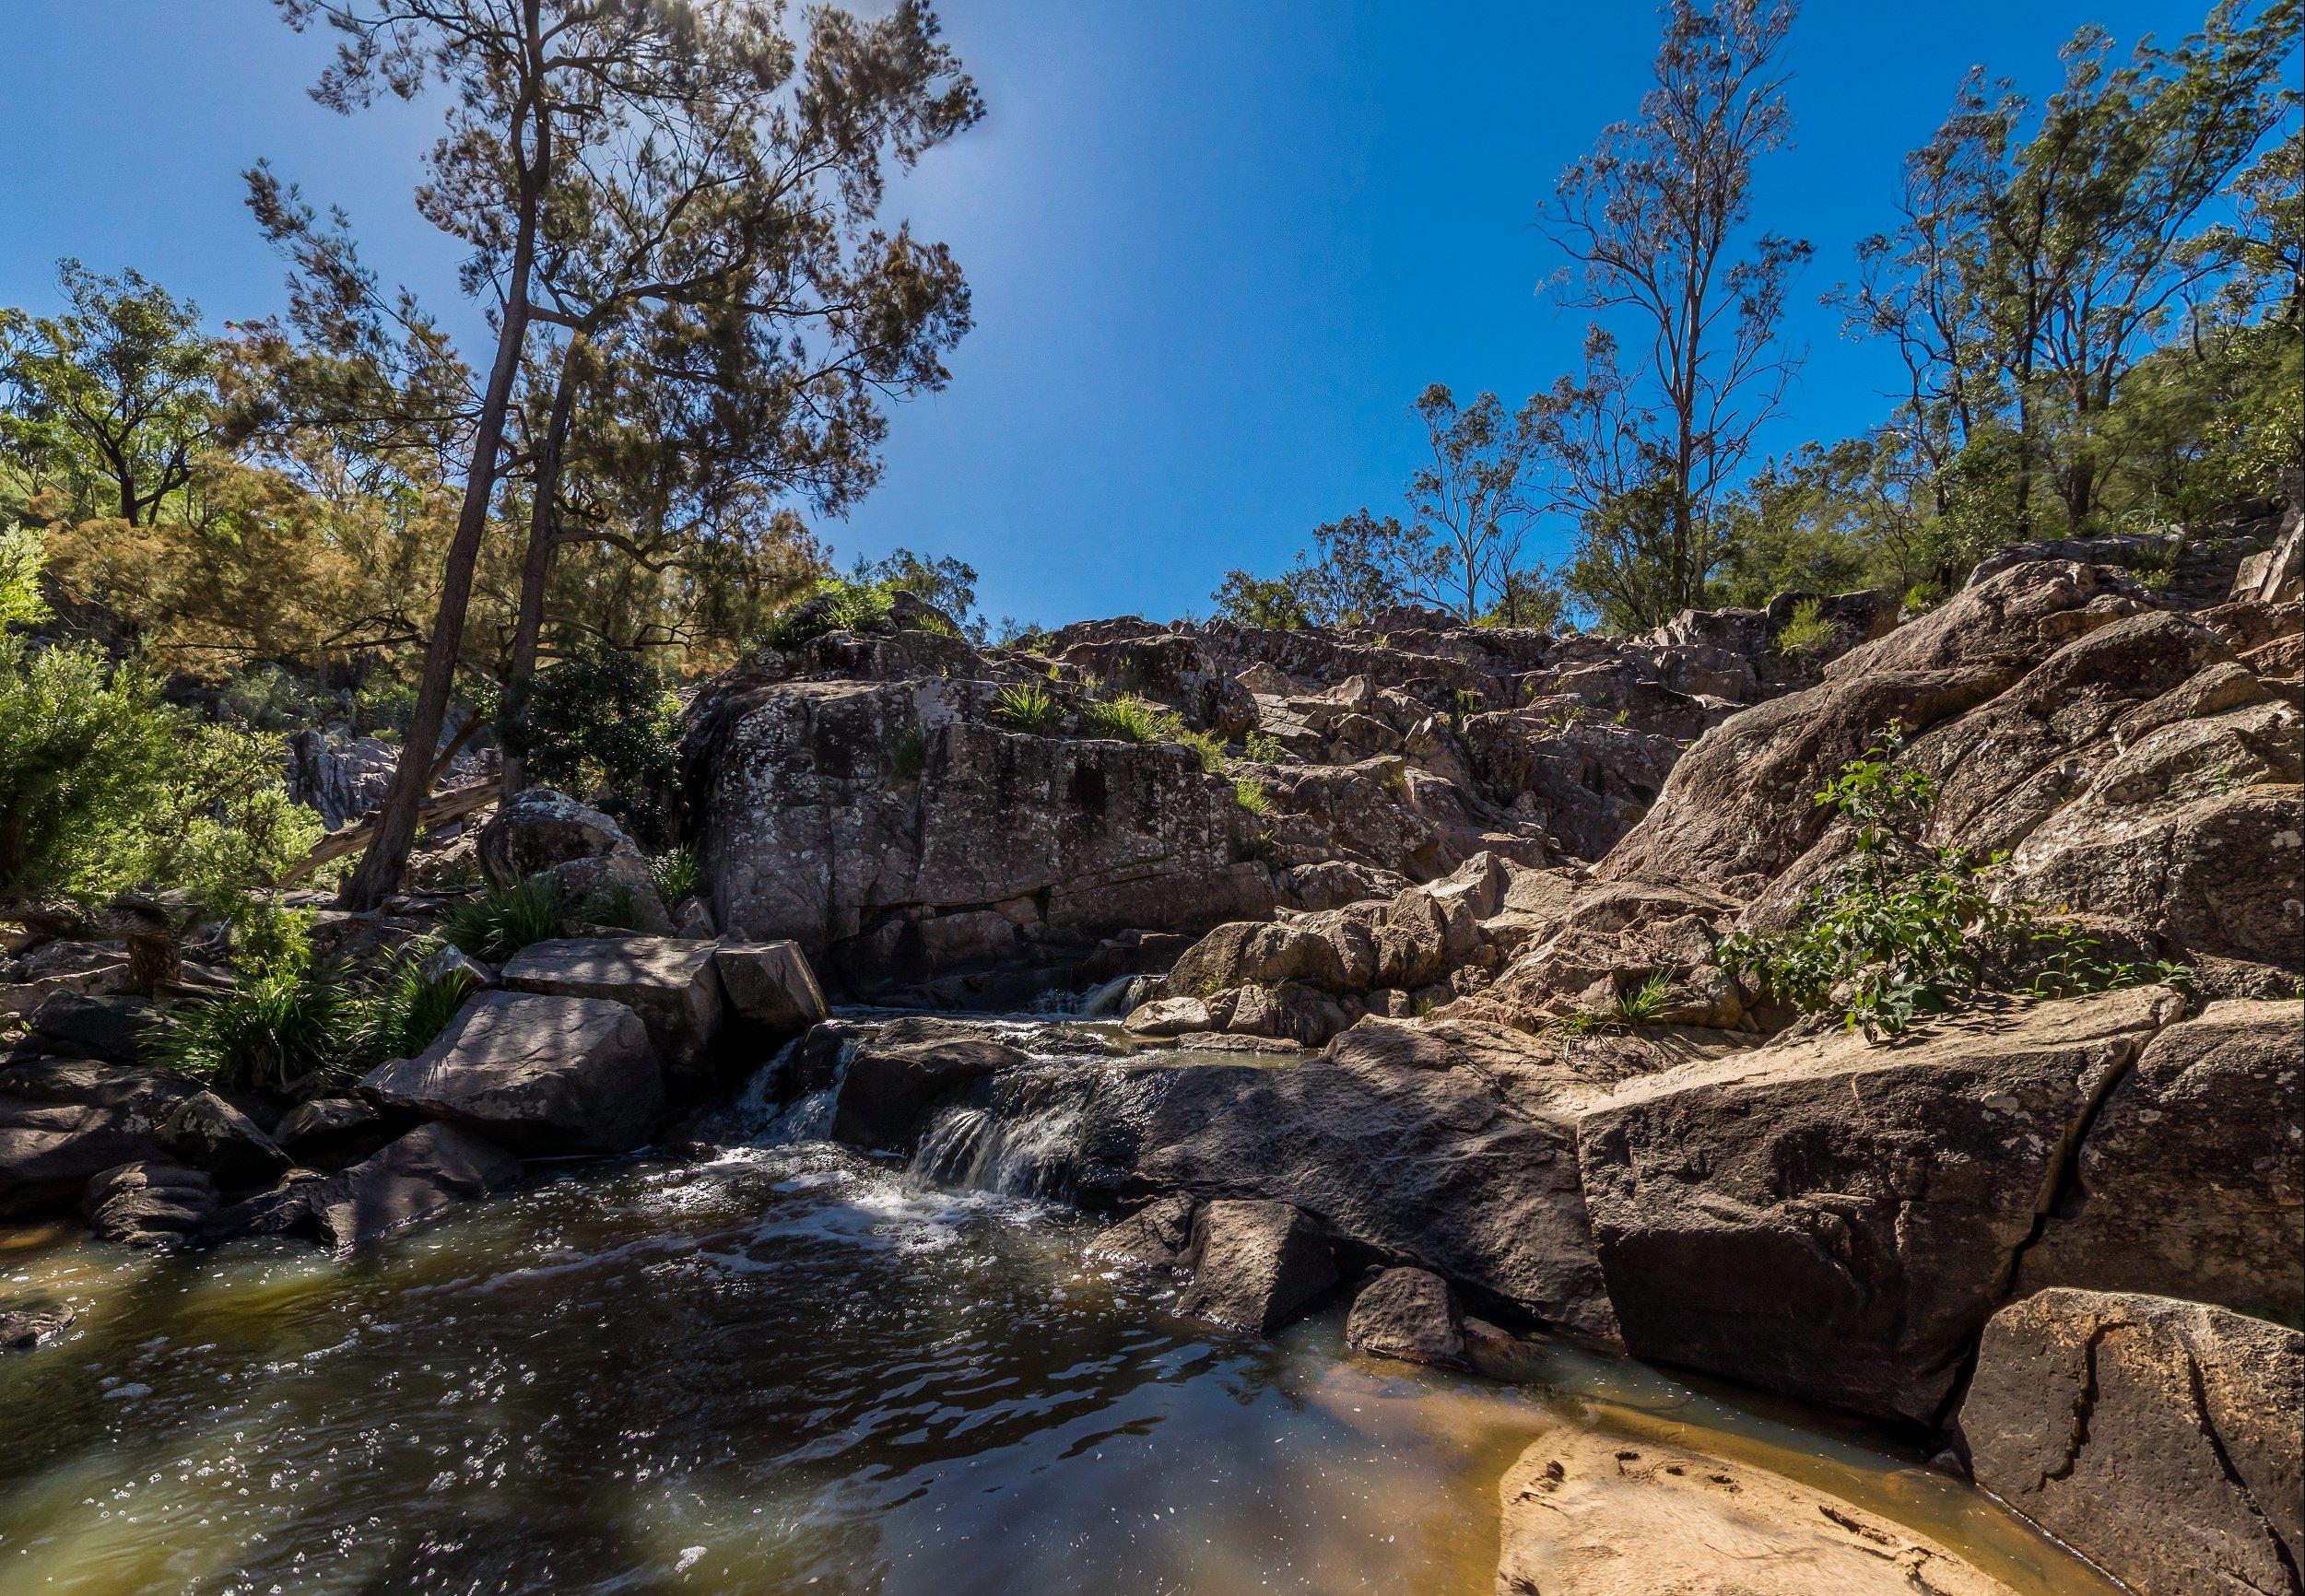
2159, 1438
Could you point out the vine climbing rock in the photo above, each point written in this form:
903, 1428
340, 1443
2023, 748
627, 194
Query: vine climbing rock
2159, 1437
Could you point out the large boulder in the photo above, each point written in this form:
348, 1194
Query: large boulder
770, 986
151, 1204
1409, 1314
2192, 1178
672, 983
1255, 1265
418, 1178
2160, 1438
1591, 1514
893, 1078
541, 1076
538, 829
75, 1024
210, 1133
1837, 1220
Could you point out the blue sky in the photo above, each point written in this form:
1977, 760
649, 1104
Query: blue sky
1216, 248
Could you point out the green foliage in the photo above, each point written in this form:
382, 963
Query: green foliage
614, 906
499, 922
946, 584
1907, 929
290, 1022
675, 875
268, 698
1027, 707
1253, 795
1131, 719
835, 605
21, 559
280, 1027
105, 786
1208, 747
1263, 747
907, 748
1644, 1003
1806, 633
602, 721
1278, 603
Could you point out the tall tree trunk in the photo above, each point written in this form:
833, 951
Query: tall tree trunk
380, 868
543, 531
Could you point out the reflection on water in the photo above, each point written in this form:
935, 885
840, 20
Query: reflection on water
784, 1370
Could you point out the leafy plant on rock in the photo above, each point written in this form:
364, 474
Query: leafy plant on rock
499, 922
1806, 633
1027, 707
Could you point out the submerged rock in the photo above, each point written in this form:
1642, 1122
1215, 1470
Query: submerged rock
419, 1176
2160, 1438
22, 1329
543, 1075
1591, 1514
149, 1203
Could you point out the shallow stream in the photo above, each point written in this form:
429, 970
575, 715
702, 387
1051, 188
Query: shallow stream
787, 1369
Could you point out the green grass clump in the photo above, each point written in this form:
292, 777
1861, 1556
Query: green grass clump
499, 923
1131, 719
1252, 795
675, 875
1263, 747
405, 1009
835, 605
281, 1028
1027, 707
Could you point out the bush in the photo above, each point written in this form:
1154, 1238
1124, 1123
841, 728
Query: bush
281, 1028
103, 787
834, 605
405, 1009
499, 923
1907, 929
1027, 708
601, 721
1252, 795
1806, 633
1263, 747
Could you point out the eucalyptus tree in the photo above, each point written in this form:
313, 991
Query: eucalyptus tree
1654, 223
577, 158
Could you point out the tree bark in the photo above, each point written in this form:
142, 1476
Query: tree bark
379, 869
543, 530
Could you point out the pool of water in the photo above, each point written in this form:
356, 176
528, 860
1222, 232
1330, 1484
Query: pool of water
785, 1370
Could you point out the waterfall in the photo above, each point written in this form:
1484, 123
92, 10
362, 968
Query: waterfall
1111, 998
1024, 1135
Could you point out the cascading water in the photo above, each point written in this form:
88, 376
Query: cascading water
1025, 1138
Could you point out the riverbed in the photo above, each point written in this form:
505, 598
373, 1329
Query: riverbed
789, 1367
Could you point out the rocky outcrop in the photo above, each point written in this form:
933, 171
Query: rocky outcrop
151, 1204
541, 1076
1591, 1514
2193, 1173
63, 1120
538, 829
893, 1077
416, 1179
209, 1133
1836, 1220
2160, 1438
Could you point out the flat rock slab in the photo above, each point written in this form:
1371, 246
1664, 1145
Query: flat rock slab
769, 985
63, 1120
1591, 1515
1254, 1264
672, 983
542, 1075
2160, 1438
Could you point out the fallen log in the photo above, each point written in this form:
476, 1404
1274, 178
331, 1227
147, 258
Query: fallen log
437, 810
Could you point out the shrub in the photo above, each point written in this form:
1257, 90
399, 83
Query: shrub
601, 720
280, 1027
499, 922
1806, 633
834, 605
1209, 746
1027, 707
405, 1009
1263, 747
1907, 929
907, 748
675, 875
